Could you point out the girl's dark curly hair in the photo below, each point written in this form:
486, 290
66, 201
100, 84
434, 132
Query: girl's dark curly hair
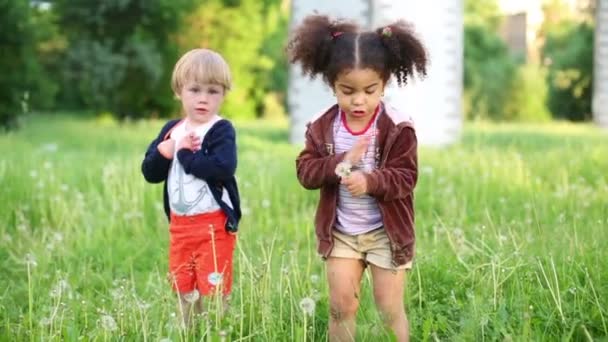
328, 47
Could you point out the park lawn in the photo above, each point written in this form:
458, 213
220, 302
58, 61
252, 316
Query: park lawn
512, 237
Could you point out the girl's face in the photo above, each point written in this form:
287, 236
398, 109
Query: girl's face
201, 101
359, 92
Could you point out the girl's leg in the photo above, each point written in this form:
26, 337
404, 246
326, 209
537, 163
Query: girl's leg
388, 293
344, 277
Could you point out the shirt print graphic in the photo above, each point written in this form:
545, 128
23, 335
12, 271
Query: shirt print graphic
188, 195
187, 192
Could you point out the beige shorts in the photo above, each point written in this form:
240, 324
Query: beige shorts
371, 247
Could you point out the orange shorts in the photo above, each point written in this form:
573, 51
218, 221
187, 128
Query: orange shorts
200, 253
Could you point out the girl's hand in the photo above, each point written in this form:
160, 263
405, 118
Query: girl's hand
167, 148
356, 153
356, 183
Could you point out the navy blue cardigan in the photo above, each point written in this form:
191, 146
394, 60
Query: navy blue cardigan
215, 163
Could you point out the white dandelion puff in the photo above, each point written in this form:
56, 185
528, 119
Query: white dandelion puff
343, 169
308, 306
427, 170
45, 321
30, 259
314, 278
50, 147
192, 297
57, 237
108, 323
60, 288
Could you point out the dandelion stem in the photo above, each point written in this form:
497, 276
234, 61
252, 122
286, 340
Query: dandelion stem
30, 300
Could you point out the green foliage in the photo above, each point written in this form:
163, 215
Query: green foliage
489, 73
17, 60
250, 34
568, 52
49, 46
528, 98
120, 54
489, 68
510, 245
484, 13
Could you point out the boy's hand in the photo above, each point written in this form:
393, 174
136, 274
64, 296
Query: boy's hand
356, 153
356, 183
191, 142
167, 148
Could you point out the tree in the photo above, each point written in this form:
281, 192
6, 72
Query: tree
250, 34
120, 54
489, 69
568, 55
17, 62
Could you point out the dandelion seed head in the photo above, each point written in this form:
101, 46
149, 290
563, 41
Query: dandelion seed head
30, 259
192, 296
45, 321
108, 323
308, 306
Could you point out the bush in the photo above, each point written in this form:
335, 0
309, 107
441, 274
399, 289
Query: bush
568, 53
120, 54
250, 34
528, 97
489, 73
17, 60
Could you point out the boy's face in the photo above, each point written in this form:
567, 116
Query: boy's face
359, 92
201, 101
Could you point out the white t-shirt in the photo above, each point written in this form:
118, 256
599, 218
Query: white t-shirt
189, 195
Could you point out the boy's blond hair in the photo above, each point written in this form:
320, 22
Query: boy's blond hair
201, 66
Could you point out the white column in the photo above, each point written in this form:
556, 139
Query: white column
600, 70
435, 103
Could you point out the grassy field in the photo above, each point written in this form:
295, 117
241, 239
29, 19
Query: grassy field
512, 239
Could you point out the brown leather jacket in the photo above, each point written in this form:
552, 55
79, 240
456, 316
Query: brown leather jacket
392, 183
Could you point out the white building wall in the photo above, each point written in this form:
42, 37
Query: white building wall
435, 103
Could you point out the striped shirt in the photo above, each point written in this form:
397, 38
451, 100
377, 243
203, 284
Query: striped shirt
356, 215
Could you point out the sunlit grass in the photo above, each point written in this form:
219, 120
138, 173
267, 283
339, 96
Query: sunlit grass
511, 229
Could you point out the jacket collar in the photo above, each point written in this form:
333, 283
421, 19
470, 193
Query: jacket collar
390, 123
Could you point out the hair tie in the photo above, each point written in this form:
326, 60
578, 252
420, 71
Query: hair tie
336, 34
387, 31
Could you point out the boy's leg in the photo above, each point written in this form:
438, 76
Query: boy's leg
187, 309
388, 294
344, 278
215, 267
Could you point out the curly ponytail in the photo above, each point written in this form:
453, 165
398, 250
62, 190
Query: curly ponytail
328, 47
315, 40
405, 53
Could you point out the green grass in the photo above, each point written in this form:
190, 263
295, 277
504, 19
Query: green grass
512, 239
